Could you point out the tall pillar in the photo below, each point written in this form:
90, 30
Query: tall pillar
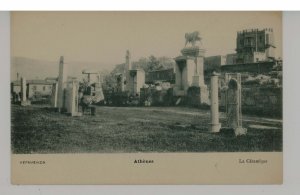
23, 89
24, 101
214, 106
128, 60
127, 70
62, 78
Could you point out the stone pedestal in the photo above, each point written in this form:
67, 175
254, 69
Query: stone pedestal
135, 81
197, 81
189, 73
135, 78
184, 72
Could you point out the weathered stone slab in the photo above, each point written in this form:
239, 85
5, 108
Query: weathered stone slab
234, 104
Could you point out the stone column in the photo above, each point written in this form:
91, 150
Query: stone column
62, 78
24, 101
214, 107
23, 89
128, 60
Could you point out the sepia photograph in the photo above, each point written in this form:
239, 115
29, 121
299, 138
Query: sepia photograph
154, 83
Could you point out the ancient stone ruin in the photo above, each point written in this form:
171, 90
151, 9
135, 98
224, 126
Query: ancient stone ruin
24, 101
72, 98
62, 81
189, 70
135, 78
67, 97
214, 103
233, 103
54, 96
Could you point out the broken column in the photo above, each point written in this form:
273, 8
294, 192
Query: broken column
135, 81
127, 70
128, 60
62, 78
233, 104
124, 76
214, 105
24, 101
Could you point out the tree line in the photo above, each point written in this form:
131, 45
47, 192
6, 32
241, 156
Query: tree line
148, 64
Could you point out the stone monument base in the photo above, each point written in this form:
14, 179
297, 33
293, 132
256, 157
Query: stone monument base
76, 114
197, 96
25, 103
204, 95
197, 81
240, 131
178, 92
193, 51
214, 127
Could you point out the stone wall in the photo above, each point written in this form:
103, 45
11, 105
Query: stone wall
160, 75
263, 101
214, 61
163, 97
257, 68
39, 90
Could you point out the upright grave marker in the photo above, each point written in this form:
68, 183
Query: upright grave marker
233, 103
62, 78
71, 98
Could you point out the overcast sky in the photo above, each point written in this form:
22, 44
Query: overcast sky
103, 37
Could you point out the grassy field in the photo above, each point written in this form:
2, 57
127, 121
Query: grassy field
37, 129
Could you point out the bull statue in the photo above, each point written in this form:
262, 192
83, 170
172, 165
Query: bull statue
192, 38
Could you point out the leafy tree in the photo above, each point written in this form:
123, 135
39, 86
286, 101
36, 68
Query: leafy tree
108, 80
166, 63
153, 64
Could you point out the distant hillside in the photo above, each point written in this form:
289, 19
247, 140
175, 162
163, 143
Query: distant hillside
40, 69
